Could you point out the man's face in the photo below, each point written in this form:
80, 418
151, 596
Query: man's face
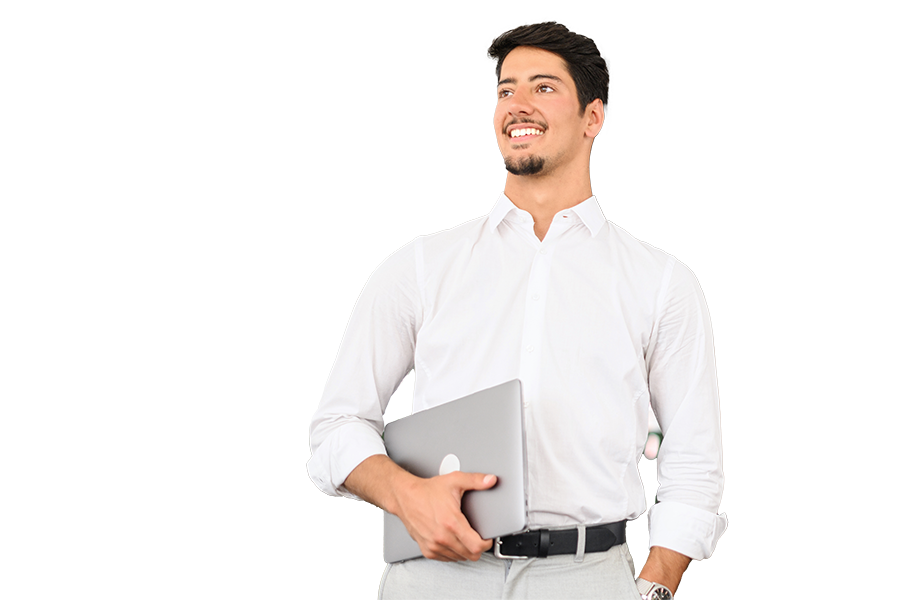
538, 121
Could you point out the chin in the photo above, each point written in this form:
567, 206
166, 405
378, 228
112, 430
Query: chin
529, 165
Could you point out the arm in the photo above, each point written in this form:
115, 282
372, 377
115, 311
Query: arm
348, 454
684, 523
375, 480
665, 566
429, 508
376, 353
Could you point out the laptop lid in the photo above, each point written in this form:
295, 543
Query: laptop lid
482, 433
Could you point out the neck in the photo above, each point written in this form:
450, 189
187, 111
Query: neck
544, 195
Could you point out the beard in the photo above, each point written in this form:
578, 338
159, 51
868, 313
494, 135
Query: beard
531, 165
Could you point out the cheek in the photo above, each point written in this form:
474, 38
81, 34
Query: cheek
498, 125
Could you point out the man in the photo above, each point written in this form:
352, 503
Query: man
598, 327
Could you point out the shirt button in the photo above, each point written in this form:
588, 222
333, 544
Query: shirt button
536, 297
543, 251
529, 348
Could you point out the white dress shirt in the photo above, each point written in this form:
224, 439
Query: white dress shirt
597, 325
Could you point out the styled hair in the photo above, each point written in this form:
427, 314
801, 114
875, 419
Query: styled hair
583, 61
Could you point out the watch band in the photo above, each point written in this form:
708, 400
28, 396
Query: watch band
653, 591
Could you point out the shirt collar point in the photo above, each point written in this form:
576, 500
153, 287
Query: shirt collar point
591, 215
499, 212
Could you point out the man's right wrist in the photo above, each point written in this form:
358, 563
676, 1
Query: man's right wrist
400, 486
380, 481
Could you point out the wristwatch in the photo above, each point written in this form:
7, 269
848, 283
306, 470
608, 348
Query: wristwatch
652, 591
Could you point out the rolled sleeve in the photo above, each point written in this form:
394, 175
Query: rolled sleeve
376, 353
683, 528
684, 396
340, 453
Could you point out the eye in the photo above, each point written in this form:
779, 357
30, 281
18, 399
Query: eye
504, 93
545, 88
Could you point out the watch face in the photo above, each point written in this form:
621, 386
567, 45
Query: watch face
660, 594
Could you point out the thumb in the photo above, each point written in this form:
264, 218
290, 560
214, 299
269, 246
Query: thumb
480, 481
464, 482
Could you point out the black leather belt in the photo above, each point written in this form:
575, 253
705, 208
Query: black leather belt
547, 542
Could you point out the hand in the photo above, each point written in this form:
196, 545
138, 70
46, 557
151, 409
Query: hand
430, 510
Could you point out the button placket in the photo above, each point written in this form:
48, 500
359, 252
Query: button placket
533, 326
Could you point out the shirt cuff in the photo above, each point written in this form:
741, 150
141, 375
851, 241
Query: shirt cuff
691, 531
341, 452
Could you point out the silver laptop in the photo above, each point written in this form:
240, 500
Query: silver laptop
481, 433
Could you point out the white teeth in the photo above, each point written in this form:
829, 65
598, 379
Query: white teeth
520, 132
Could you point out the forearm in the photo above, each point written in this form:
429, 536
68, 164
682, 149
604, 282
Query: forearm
378, 480
665, 566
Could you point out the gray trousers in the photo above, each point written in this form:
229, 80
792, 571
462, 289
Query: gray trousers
600, 576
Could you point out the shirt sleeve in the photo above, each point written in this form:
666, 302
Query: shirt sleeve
685, 398
376, 353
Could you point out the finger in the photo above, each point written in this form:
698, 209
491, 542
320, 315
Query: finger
487, 482
483, 481
474, 555
442, 556
460, 553
480, 547
473, 543
447, 547
459, 541
474, 481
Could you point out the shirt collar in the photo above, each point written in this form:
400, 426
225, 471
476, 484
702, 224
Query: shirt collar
591, 215
500, 210
588, 211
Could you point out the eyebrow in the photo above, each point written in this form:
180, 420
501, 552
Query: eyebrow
532, 78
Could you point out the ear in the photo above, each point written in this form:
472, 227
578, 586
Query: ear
594, 115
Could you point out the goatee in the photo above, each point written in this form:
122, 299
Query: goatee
531, 165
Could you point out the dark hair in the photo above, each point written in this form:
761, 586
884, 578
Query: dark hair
586, 67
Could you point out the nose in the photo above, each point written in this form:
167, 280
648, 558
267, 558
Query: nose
520, 104
515, 108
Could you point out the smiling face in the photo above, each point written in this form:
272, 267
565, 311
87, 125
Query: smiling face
538, 121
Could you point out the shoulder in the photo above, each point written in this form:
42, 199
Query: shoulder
397, 268
669, 270
450, 239
405, 262
638, 254
436, 252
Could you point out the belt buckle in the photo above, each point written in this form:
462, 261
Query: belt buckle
498, 554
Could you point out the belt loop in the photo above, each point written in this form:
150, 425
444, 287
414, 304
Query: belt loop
544, 544
579, 552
